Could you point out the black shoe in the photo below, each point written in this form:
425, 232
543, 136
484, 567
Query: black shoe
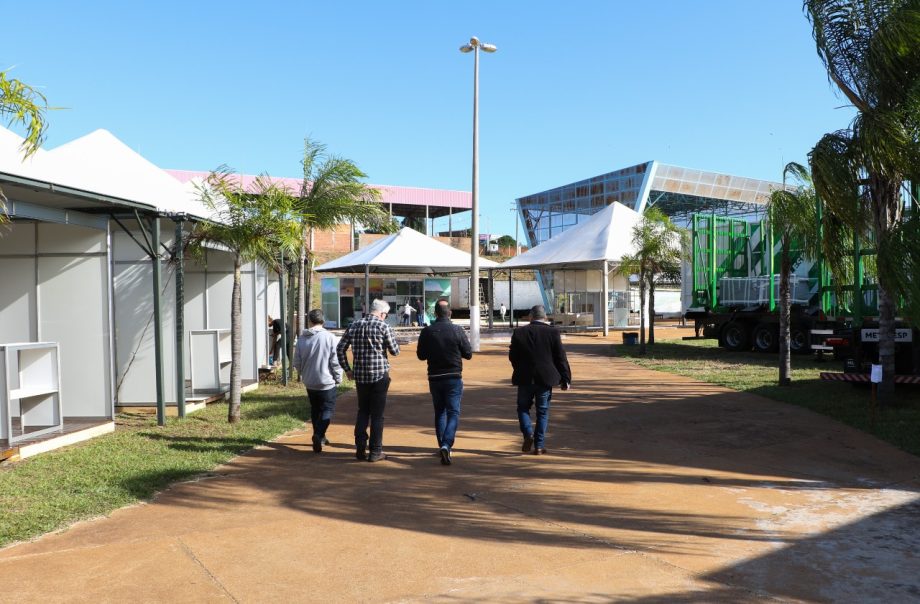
528, 443
325, 441
318, 444
379, 456
444, 452
361, 454
540, 451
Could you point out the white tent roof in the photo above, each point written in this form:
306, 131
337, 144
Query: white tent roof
606, 235
407, 251
11, 152
101, 163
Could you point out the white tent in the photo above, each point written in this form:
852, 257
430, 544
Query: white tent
604, 239
101, 163
407, 251
606, 235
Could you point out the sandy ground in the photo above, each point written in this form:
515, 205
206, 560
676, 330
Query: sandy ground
656, 488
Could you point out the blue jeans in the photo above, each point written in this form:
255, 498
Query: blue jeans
529, 395
322, 408
445, 394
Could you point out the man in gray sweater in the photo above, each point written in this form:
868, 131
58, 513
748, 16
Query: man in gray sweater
316, 362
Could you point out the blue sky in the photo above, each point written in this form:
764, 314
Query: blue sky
576, 89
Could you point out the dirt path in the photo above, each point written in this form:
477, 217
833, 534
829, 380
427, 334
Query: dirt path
656, 489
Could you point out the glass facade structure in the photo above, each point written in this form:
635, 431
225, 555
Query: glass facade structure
678, 192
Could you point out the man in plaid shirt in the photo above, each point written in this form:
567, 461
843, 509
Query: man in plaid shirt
370, 339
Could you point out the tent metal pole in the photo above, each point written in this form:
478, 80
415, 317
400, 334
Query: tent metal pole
157, 320
510, 299
180, 318
491, 298
367, 289
604, 302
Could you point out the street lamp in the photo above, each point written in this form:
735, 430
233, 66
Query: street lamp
474, 47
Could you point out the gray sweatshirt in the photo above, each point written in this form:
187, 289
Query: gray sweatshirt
315, 359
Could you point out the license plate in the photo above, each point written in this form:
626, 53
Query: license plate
901, 334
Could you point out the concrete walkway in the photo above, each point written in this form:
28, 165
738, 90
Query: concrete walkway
656, 489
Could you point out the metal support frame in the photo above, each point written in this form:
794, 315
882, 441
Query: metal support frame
510, 299
151, 247
604, 302
491, 298
179, 255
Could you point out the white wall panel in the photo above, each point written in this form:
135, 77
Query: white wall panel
18, 318
17, 238
70, 239
73, 308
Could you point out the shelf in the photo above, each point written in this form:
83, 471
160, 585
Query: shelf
31, 391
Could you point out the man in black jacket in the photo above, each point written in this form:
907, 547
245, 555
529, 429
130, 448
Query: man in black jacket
539, 363
444, 345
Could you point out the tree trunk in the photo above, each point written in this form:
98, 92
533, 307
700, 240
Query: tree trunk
642, 286
311, 264
301, 291
651, 310
292, 310
785, 311
236, 342
886, 198
886, 354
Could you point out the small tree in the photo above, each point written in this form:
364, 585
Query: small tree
793, 215
657, 258
253, 226
20, 104
331, 193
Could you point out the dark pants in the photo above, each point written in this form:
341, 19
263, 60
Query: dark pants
372, 400
446, 394
322, 408
407, 320
534, 395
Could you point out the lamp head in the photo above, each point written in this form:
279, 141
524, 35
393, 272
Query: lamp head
488, 47
466, 48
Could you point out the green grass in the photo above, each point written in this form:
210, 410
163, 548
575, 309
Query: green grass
55, 489
758, 374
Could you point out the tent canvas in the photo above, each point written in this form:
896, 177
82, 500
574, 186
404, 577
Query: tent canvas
606, 235
101, 163
407, 251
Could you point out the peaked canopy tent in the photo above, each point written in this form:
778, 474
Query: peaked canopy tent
197, 309
406, 251
602, 240
55, 302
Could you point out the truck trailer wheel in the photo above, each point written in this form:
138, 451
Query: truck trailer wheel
798, 340
765, 338
736, 337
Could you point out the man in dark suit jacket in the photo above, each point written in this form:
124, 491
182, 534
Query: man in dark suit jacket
539, 363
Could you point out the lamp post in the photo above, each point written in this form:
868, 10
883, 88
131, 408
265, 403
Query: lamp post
474, 46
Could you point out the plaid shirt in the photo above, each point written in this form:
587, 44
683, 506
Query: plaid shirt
370, 339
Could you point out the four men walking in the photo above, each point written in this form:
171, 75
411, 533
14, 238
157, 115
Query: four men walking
536, 354
444, 345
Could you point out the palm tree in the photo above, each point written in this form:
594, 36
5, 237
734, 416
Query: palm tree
871, 50
253, 226
22, 105
331, 194
657, 257
793, 215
